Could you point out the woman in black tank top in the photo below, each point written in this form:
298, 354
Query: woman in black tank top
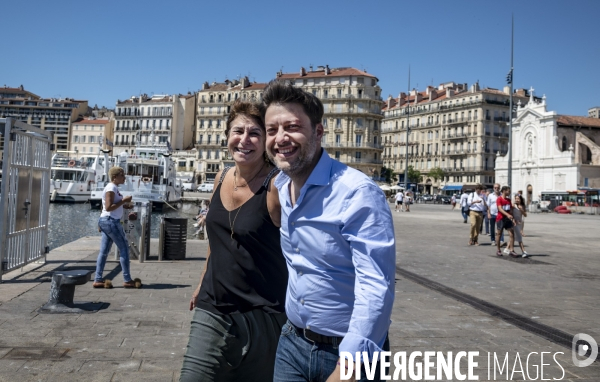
239, 303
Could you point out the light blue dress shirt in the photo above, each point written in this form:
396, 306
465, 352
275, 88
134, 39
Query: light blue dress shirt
338, 241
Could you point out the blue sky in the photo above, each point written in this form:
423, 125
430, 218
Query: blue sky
108, 50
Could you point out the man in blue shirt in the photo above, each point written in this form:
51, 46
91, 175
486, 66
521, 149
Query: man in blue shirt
338, 239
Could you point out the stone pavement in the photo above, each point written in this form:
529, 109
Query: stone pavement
142, 334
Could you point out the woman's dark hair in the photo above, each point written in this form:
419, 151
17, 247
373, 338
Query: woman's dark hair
280, 92
521, 202
248, 109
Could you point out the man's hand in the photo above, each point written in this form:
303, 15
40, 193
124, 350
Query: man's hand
336, 375
194, 299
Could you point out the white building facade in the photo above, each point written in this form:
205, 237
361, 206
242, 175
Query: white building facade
551, 152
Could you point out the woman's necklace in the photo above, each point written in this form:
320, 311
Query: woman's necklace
232, 224
235, 185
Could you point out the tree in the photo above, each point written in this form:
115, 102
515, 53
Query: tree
387, 174
436, 173
414, 176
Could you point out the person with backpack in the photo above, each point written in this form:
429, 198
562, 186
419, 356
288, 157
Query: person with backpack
464, 208
476, 205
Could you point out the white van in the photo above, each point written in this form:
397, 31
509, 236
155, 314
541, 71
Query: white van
206, 187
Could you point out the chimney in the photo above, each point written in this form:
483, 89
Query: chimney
432, 94
389, 102
327, 71
449, 92
506, 89
205, 85
302, 71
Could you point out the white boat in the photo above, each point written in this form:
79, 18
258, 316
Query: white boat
72, 179
150, 176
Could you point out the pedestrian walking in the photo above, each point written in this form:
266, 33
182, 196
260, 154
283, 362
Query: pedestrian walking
486, 223
341, 287
399, 196
492, 213
453, 201
520, 193
464, 208
239, 304
407, 201
476, 205
519, 212
505, 221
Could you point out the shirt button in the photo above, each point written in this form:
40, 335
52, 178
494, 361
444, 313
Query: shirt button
297, 250
293, 223
308, 327
300, 273
302, 301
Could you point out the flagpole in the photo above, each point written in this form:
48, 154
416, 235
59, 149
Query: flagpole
510, 112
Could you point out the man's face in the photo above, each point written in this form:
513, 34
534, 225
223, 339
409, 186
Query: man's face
291, 142
496, 189
506, 193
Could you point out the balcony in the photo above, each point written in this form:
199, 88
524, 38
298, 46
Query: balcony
457, 152
361, 161
455, 136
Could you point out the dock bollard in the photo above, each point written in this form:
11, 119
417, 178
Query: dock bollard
161, 239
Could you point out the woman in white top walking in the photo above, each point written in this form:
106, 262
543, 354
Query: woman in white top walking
112, 230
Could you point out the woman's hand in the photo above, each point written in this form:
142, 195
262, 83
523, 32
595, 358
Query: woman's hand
194, 299
127, 199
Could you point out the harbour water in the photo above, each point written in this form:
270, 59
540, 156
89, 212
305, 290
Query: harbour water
69, 222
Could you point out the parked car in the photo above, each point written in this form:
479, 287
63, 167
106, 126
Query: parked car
427, 198
442, 199
206, 187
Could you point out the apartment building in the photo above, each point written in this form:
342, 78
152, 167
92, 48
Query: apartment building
154, 120
452, 127
352, 113
88, 135
213, 106
594, 112
50, 114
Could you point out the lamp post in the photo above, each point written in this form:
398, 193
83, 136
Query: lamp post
510, 111
407, 132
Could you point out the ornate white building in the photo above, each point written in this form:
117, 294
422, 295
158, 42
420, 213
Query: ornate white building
551, 152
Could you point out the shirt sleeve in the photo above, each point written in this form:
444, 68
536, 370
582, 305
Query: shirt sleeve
470, 199
368, 227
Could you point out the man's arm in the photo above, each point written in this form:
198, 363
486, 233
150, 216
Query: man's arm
368, 227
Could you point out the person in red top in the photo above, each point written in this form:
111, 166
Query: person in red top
505, 220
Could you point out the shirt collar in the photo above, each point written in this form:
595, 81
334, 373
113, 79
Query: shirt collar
319, 176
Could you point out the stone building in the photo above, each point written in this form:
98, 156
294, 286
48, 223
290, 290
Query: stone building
594, 112
551, 152
456, 128
161, 118
213, 105
88, 135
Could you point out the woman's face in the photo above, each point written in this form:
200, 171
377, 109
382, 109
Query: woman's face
119, 178
517, 199
246, 141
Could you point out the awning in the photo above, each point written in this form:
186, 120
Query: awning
452, 187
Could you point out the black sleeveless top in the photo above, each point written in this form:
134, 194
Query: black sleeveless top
249, 271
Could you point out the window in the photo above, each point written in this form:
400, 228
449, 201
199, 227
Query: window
358, 140
565, 146
337, 155
325, 122
209, 139
338, 123
357, 156
338, 139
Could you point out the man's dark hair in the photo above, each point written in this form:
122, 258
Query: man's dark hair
479, 187
281, 92
504, 188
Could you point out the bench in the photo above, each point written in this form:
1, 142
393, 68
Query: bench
62, 292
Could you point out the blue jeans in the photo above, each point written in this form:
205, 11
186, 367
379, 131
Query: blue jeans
300, 360
112, 231
493, 229
465, 212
